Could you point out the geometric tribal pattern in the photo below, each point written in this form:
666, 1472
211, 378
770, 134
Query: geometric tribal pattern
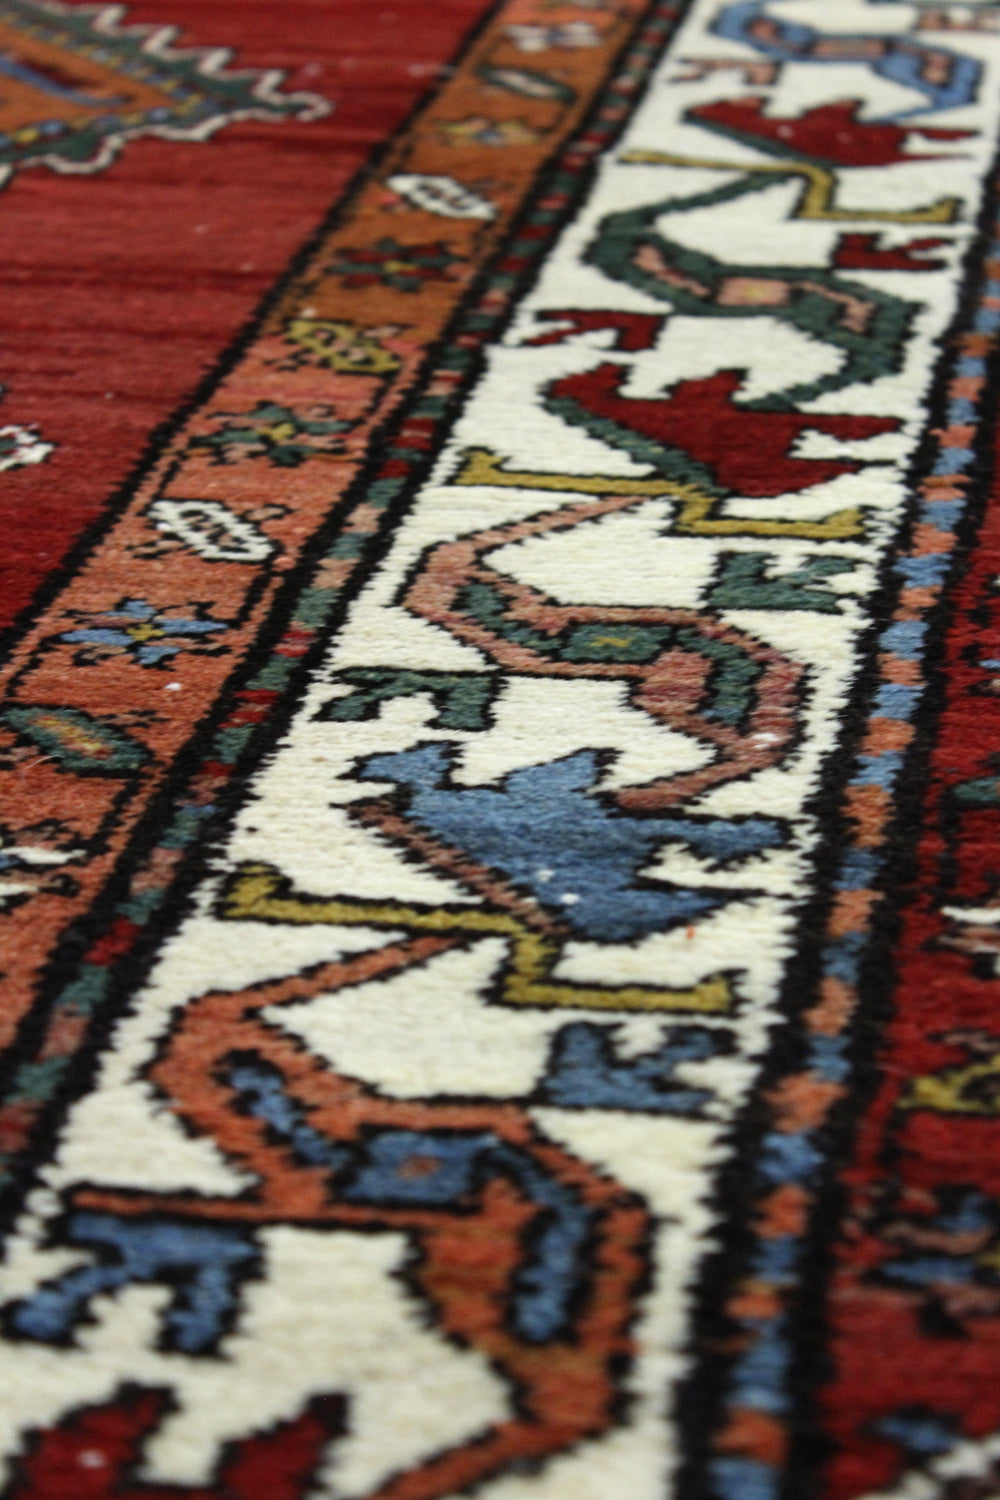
78, 84
466, 1037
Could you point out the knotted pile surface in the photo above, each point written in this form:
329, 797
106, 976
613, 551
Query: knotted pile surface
500, 750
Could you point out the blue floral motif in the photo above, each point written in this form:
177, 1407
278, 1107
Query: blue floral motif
138, 629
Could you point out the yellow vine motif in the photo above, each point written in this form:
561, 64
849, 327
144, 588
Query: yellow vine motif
819, 189
695, 509
343, 346
260, 893
970, 1090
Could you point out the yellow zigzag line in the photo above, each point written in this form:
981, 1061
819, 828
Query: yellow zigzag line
695, 509
260, 893
818, 190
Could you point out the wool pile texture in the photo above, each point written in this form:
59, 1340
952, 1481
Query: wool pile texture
499, 750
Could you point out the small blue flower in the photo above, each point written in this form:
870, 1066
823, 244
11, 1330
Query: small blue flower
137, 629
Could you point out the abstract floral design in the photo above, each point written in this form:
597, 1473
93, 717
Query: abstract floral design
136, 629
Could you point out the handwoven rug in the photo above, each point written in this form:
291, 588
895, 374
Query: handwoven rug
500, 750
